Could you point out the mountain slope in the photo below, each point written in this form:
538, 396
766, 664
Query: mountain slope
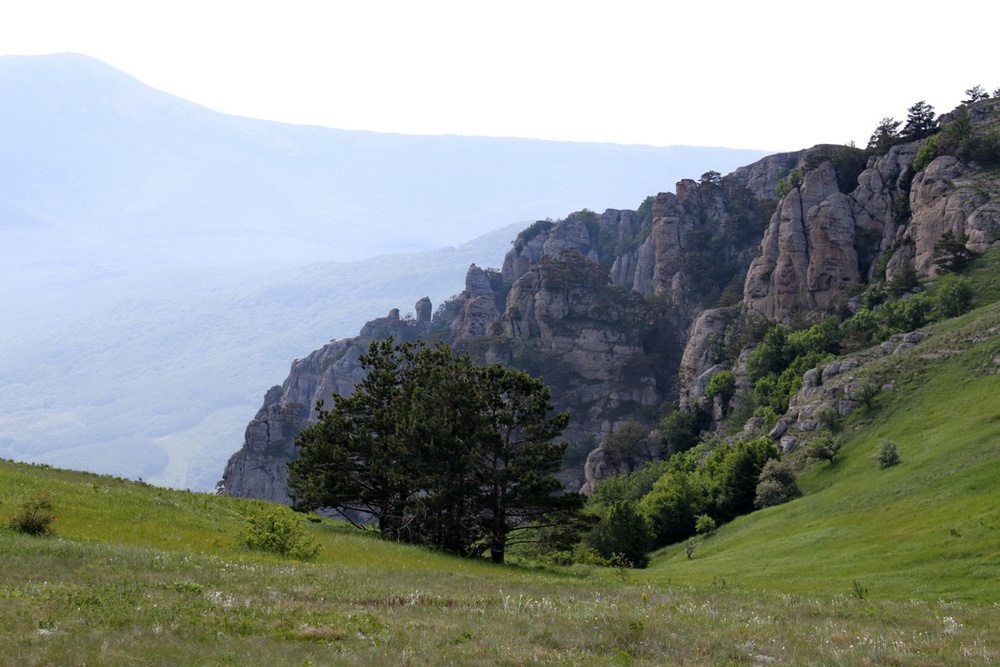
926, 527
602, 306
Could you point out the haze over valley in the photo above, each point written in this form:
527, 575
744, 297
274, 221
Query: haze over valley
163, 263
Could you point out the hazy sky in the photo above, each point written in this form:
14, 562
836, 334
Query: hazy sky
771, 75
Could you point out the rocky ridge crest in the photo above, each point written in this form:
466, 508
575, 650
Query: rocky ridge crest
622, 311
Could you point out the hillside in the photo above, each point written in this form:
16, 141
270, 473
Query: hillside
138, 574
895, 566
870, 566
925, 528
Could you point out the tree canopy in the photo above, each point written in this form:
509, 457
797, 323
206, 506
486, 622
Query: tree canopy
433, 449
920, 121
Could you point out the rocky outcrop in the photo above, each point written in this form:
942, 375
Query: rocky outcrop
807, 256
580, 336
547, 239
608, 461
820, 240
567, 306
611, 309
259, 468
942, 202
478, 307
423, 310
762, 176
702, 350
836, 388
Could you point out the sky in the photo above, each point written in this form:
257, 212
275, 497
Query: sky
771, 75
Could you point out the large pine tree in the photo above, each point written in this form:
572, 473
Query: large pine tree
434, 449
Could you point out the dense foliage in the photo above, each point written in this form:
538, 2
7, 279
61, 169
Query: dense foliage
435, 450
692, 492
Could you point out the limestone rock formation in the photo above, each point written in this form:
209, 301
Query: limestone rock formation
259, 468
807, 256
478, 306
820, 241
762, 176
699, 358
621, 311
580, 336
941, 201
606, 461
423, 310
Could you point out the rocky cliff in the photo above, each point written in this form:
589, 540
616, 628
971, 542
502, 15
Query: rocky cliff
623, 311
827, 237
259, 468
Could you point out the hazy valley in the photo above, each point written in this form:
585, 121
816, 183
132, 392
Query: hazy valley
163, 263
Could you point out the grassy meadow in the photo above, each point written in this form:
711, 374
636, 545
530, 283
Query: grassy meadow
870, 567
136, 575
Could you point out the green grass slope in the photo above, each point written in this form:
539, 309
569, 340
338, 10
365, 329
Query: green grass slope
927, 528
136, 575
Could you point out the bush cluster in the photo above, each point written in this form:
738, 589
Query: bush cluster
881, 316
433, 449
887, 454
691, 493
777, 364
35, 516
276, 531
825, 447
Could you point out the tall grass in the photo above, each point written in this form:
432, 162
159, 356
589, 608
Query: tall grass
179, 590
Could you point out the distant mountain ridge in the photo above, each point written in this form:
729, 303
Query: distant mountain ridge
96, 142
161, 261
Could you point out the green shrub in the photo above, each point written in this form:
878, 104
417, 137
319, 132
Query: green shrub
672, 505
823, 448
627, 439
865, 392
927, 153
777, 484
906, 314
722, 384
887, 455
273, 531
828, 418
736, 472
769, 415
680, 430
954, 296
35, 516
622, 537
704, 525
789, 183
951, 253
861, 330
903, 280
